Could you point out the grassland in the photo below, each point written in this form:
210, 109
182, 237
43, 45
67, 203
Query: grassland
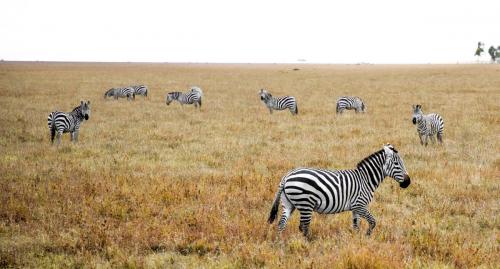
151, 185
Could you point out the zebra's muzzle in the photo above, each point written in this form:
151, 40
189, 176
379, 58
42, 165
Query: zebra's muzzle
406, 182
262, 98
86, 116
414, 121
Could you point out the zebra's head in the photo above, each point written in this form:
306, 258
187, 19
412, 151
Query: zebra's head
417, 113
171, 96
394, 166
109, 93
85, 109
264, 95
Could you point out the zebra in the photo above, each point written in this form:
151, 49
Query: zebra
128, 92
428, 125
193, 96
349, 103
278, 103
331, 192
60, 122
140, 90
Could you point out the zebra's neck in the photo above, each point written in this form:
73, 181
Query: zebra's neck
421, 124
176, 95
372, 170
271, 101
77, 113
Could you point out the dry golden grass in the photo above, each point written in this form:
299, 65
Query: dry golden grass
151, 185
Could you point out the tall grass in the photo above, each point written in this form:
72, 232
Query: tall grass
150, 185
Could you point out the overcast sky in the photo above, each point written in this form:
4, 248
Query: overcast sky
382, 31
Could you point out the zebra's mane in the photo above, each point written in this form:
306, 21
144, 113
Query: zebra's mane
76, 108
362, 162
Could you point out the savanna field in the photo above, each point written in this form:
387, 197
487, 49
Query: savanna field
157, 186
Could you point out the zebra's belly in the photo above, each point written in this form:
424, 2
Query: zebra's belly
336, 208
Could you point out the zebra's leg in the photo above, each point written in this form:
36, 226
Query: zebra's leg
75, 139
440, 137
59, 135
355, 221
288, 209
421, 140
364, 213
305, 220
72, 136
433, 139
425, 140
270, 110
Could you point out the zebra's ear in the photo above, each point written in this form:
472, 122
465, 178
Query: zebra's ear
388, 151
88, 102
81, 102
413, 106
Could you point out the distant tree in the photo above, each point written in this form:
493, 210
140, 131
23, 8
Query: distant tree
493, 53
479, 49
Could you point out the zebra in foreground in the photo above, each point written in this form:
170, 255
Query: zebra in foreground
141, 90
128, 92
60, 122
279, 103
193, 96
428, 125
330, 192
349, 103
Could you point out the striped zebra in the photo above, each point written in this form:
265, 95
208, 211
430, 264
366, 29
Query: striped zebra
331, 192
128, 92
428, 125
193, 96
279, 103
349, 103
60, 122
140, 90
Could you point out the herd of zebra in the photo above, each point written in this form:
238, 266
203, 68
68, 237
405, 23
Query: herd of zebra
306, 189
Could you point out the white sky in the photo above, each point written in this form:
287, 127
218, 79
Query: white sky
377, 31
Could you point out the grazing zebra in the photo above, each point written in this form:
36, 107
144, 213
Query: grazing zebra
191, 97
140, 90
428, 125
60, 122
128, 92
279, 103
349, 103
330, 192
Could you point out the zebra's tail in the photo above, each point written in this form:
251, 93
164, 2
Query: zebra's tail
296, 109
338, 107
274, 208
